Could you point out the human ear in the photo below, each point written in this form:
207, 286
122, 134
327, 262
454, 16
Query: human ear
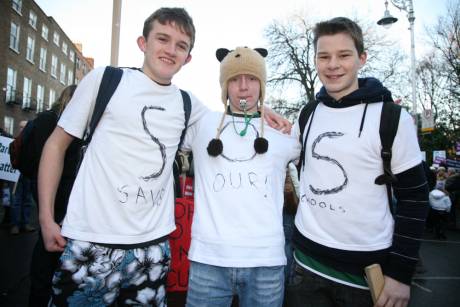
188, 59
362, 59
141, 42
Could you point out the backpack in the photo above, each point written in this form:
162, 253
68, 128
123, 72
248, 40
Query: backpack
389, 121
22, 153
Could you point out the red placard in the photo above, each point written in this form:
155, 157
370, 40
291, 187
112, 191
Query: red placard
179, 242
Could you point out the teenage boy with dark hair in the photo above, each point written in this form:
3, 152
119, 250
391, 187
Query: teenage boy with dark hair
343, 222
121, 210
237, 245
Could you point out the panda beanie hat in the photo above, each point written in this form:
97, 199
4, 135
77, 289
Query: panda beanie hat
242, 60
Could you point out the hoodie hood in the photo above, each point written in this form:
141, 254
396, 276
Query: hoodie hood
437, 194
370, 90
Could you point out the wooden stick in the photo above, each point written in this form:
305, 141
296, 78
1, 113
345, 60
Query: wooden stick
375, 280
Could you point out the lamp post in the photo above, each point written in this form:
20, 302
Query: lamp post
387, 21
115, 44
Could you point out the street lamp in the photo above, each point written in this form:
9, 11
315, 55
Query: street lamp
387, 21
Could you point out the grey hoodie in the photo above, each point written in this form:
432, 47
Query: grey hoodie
440, 201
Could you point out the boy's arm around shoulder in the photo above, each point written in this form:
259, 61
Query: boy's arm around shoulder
49, 175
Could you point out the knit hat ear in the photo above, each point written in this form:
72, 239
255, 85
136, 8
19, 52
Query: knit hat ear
262, 51
221, 53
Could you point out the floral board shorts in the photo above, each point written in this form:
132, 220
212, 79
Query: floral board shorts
96, 275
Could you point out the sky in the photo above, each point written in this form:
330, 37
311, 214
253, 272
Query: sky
220, 24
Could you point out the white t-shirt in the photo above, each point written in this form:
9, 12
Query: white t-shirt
123, 193
237, 219
340, 206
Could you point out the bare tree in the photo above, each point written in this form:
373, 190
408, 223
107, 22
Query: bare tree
446, 40
290, 58
445, 62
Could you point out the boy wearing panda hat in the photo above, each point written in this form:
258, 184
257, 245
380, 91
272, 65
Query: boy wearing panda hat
237, 243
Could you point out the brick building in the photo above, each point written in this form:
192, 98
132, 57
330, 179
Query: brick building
37, 61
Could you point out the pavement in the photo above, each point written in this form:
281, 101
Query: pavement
436, 284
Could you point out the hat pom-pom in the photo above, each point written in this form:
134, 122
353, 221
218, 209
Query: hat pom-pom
261, 145
215, 147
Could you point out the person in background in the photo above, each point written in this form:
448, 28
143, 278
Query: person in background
441, 177
44, 263
452, 186
440, 204
21, 204
291, 201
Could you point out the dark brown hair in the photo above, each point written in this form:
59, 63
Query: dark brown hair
339, 25
171, 15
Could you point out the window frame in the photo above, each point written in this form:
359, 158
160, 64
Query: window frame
33, 19
11, 87
54, 66
45, 32
56, 38
17, 6
27, 99
40, 98
16, 36
42, 61
30, 50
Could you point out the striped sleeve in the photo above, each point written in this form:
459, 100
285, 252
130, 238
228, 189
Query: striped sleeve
411, 193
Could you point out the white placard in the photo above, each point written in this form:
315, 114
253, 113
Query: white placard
7, 172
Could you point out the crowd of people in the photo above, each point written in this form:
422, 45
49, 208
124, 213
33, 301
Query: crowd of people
444, 199
104, 225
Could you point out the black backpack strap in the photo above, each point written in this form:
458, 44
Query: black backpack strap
187, 110
389, 121
304, 115
177, 165
109, 83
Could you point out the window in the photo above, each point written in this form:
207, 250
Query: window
70, 77
63, 73
30, 49
52, 98
14, 36
8, 123
54, 64
56, 38
27, 93
11, 85
40, 97
17, 5
42, 63
64, 48
72, 56
33, 19
45, 32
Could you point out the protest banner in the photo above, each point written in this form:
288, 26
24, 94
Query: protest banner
7, 172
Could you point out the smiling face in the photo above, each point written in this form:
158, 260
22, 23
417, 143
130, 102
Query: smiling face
338, 62
244, 87
166, 50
